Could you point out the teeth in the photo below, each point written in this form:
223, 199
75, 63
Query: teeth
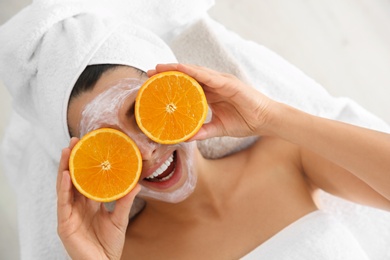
168, 176
162, 168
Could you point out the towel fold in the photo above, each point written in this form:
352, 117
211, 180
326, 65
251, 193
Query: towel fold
315, 236
49, 36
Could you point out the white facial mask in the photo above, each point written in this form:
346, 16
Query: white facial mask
104, 111
186, 152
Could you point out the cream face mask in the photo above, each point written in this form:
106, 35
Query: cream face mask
113, 108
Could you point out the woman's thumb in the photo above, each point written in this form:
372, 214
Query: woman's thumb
120, 215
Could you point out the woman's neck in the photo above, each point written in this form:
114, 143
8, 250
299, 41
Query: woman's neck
210, 198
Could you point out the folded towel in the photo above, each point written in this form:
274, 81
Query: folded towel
315, 236
35, 135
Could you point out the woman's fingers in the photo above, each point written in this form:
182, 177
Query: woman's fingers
192, 70
120, 215
65, 194
64, 161
73, 142
64, 188
208, 130
65, 198
211, 80
203, 75
162, 68
63, 166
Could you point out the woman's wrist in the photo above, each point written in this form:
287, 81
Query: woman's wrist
283, 121
269, 119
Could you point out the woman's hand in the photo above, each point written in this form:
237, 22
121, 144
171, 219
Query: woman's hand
238, 109
86, 228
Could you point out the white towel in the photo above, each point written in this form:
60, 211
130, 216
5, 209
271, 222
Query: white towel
216, 47
49, 44
44, 49
316, 236
36, 141
213, 46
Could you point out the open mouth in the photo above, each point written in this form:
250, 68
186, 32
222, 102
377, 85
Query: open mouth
165, 171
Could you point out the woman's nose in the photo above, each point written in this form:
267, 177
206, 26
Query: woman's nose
147, 147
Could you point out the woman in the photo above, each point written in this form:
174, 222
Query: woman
40, 62
241, 201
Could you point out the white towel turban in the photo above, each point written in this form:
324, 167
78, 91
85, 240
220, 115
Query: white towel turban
47, 45
43, 50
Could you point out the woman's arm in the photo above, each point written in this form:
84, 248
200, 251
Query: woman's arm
346, 160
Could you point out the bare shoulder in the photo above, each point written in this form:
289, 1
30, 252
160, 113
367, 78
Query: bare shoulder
275, 151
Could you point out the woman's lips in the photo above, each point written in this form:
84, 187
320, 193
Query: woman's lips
151, 171
164, 171
165, 176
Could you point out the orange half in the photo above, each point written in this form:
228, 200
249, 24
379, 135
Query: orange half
170, 107
105, 165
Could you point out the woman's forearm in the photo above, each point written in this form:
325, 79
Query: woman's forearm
363, 152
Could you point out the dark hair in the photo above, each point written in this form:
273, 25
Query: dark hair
89, 77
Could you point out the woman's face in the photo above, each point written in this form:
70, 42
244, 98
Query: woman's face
168, 173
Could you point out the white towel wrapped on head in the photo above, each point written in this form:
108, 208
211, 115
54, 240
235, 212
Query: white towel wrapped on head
51, 44
48, 44
44, 49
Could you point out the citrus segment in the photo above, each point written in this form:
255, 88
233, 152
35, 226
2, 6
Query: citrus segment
105, 165
170, 107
